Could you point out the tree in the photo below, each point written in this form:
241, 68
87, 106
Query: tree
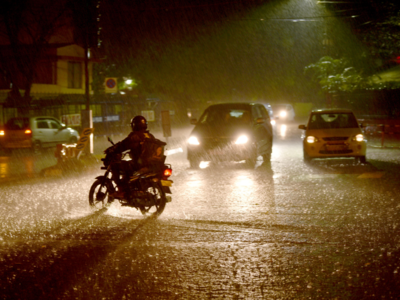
336, 75
26, 28
382, 33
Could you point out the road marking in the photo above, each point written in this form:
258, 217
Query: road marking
371, 175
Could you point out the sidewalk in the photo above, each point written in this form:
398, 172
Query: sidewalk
389, 142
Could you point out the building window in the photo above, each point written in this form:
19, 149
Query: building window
74, 75
45, 73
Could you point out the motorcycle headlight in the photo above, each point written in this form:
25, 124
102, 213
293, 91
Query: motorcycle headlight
243, 139
358, 138
193, 141
311, 139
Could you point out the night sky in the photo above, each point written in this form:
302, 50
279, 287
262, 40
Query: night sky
224, 50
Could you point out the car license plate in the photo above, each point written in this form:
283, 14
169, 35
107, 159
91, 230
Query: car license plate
336, 147
216, 152
166, 182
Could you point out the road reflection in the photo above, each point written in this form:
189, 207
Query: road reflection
24, 165
286, 131
244, 193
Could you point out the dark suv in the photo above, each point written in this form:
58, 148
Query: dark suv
231, 131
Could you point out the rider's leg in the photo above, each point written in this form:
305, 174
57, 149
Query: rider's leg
116, 170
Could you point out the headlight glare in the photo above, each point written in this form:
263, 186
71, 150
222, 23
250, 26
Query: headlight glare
193, 141
242, 140
311, 139
359, 137
283, 114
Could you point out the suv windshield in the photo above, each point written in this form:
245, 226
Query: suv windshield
332, 120
226, 117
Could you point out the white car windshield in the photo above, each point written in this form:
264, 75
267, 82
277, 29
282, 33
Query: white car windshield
226, 117
332, 120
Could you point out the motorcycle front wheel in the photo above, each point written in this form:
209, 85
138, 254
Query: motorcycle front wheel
156, 201
99, 194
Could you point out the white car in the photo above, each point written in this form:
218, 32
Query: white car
283, 112
333, 133
35, 133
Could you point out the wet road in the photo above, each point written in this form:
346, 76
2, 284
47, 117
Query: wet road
329, 230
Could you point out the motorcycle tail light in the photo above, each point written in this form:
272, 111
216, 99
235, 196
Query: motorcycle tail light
167, 172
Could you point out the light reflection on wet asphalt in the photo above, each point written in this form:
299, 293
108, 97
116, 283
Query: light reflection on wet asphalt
284, 231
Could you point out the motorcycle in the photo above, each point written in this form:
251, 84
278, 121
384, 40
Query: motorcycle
147, 192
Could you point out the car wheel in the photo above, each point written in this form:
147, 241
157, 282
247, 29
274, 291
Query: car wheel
36, 147
306, 157
362, 159
72, 140
251, 161
266, 158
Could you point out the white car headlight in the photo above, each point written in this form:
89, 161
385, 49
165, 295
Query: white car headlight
193, 141
359, 138
283, 114
242, 140
311, 139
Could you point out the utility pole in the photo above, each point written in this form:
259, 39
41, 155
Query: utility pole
86, 115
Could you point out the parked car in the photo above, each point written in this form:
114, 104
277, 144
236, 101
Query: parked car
35, 133
283, 112
333, 133
231, 131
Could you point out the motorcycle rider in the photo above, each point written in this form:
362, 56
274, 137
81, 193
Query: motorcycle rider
140, 163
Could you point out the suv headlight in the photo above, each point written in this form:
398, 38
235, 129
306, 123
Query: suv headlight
358, 138
193, 141
311, 139
243, 139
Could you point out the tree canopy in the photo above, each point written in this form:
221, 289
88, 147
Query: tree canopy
377, 25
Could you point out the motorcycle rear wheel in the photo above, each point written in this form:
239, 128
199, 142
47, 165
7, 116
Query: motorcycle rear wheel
99, 195
156, 206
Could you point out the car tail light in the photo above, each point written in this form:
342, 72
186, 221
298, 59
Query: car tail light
2, 132
28, 131
167, 172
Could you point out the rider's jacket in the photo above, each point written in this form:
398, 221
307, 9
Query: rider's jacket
145, 149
